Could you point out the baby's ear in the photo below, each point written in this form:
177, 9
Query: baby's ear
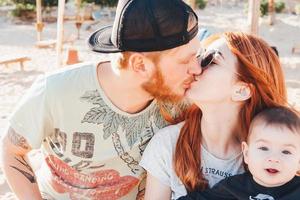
245, 152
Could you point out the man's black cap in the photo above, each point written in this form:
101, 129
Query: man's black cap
146, 25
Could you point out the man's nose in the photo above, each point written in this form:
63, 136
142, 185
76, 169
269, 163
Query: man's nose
195, 69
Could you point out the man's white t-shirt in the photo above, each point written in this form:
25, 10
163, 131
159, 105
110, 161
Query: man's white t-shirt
90, 148
158, 161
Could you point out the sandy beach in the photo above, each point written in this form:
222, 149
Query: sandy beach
18, 39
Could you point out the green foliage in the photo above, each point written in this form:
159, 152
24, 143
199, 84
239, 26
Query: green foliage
5, 2
108, 3
201, 4
50, 3
24, 2
46, 3
23, 9
26, 8
279, 6
264, 7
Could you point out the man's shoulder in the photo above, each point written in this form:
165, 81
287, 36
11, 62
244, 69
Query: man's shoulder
70, 71
71, 78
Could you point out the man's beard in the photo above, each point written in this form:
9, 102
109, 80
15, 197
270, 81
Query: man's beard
157, 88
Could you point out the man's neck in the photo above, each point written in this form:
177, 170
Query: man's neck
123, 91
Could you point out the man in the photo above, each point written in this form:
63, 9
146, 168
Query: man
93, 122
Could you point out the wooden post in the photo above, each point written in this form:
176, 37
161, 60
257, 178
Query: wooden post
253, 16
271, 10
39, 24
78, 18
77, 4
60, 32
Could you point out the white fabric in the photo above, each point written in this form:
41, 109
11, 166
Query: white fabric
91, 146
157, 160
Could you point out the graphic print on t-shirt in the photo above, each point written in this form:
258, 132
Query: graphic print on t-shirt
101, 184
133, 126
261, 197
82, 178
215, 172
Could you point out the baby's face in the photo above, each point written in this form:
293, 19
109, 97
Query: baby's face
272, 154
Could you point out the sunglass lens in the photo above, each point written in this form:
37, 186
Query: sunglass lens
207, 60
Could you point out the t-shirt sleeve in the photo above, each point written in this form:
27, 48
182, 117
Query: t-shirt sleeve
31, 118
155, 159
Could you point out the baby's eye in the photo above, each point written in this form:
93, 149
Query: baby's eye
286, 152
263, 148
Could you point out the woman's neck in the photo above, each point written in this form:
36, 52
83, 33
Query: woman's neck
220, 129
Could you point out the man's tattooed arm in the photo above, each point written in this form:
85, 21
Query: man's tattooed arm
18, 173
21, 165
28, 173
17, 139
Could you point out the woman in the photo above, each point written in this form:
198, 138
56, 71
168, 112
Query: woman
241, 75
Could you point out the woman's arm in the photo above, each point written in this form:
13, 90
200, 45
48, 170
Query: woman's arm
155, 190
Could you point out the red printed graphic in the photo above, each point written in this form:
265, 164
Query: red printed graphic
103, 184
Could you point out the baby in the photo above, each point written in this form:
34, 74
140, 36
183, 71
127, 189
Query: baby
272, 153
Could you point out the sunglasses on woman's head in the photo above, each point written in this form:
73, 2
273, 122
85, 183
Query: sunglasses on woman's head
207, 58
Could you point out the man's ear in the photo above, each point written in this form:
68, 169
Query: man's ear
241, 92
245, 152
139, 63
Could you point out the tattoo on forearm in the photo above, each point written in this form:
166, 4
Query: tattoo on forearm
29, 175
17, 139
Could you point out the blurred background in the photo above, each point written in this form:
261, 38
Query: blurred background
39, 36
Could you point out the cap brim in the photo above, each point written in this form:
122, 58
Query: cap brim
100, 41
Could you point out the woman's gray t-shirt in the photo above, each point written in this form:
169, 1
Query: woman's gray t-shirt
158, 161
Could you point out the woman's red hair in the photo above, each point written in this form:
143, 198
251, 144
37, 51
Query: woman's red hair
259, 66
